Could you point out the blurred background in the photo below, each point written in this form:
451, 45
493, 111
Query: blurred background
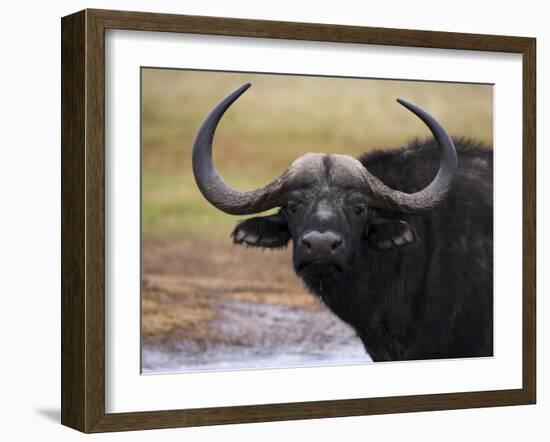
209, 305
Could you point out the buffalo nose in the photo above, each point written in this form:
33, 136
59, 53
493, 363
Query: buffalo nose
321, 244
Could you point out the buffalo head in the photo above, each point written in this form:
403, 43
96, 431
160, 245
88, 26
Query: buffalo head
328, 204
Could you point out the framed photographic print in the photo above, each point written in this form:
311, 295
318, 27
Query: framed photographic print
269, 220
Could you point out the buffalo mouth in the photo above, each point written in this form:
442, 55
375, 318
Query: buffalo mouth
319, 267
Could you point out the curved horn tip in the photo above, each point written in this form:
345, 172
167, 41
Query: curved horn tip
237, 93
406, 103
244, 87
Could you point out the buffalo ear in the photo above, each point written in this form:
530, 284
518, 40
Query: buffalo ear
263, 231
386, 234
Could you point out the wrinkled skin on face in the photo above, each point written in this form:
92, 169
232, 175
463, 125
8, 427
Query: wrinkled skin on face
330, 222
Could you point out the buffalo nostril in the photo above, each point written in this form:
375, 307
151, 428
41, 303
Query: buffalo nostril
321, 244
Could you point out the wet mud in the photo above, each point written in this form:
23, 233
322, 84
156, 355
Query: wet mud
210, 305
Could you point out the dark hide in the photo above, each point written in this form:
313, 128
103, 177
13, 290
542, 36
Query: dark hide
412, 286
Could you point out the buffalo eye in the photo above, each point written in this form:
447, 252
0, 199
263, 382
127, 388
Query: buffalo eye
292, 206
358, 209
356, 202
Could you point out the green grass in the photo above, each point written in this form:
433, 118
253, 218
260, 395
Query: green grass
172, 205
277, 120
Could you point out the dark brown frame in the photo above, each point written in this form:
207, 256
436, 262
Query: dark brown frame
83, 216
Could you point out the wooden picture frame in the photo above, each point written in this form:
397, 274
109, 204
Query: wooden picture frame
83, 220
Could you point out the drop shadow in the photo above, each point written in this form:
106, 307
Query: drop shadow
51, 414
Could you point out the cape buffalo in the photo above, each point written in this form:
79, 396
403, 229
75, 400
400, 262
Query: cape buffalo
402, 256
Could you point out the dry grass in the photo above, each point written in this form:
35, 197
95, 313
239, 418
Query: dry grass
278, 119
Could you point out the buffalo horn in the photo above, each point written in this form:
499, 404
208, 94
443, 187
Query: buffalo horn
435, 192
212, 186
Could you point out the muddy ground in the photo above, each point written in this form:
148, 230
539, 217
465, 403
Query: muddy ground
209, 305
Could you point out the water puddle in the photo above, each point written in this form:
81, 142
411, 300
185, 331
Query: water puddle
260, 336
